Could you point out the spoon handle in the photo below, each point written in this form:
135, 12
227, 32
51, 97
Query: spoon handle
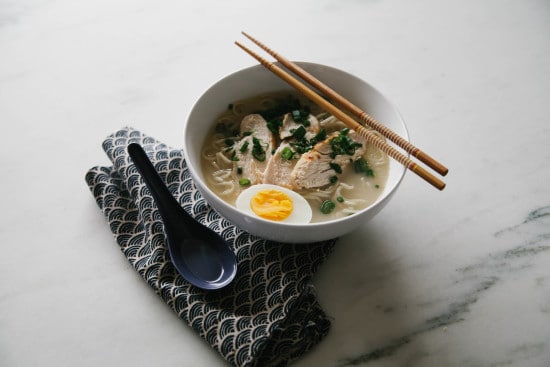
166, 203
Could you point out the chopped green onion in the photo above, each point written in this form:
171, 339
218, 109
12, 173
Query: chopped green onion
336, 167
244, 182
343, 144
298, 133
239, 170
333, 179
258, 151
327, 207
362, 166
285, 104
321, 135
229, 142
274, 124
244, 147
340, 199
301, 116
287, 153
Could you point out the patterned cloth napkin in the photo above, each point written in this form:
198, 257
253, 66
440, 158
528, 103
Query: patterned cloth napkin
269, 314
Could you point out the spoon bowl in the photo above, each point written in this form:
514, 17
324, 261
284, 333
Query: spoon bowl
199, 254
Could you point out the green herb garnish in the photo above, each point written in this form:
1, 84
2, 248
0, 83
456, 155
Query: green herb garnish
301, 116
234, 157
298, 133
287, 153
362, 166
244, 182
336, 167
340, 199
258, 151
343, 144
283, 105
327, 207
321, 135
275, 124
301, 146
244, 147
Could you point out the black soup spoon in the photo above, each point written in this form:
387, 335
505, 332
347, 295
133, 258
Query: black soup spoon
199, 254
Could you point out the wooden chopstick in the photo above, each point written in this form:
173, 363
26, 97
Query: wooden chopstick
369, 135
354, 110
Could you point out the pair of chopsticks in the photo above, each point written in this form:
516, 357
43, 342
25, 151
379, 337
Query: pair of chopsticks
368, 134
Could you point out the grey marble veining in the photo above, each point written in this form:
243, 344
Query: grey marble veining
453, 278
490, 310
521, 266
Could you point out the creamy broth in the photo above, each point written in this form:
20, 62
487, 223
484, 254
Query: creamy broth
351, 191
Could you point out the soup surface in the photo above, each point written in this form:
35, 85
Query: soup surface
284, 140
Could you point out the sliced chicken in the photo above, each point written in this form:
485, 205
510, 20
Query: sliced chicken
280, 167
253, 151
256, 125
289, 125
313, 169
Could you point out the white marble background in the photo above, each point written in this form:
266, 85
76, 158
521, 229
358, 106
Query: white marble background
453, 278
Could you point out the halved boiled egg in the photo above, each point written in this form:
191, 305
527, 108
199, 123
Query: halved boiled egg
274, 203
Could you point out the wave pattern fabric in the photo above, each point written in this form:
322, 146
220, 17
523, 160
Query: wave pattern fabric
268, 316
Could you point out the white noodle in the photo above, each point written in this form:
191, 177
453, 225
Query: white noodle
222, 160
223, 180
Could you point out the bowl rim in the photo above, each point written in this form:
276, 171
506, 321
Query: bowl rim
195, 171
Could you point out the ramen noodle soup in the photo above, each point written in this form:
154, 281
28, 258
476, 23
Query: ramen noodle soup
279, 157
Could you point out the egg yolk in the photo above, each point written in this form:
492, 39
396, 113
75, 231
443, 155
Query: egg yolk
271, 204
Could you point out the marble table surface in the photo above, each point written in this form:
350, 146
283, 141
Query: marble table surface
453, 278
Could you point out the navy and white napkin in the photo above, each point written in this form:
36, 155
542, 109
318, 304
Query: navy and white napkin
268, 316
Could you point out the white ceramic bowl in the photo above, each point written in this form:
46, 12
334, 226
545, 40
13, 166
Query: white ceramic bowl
257, 80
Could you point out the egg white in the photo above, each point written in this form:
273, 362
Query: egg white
301, 211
